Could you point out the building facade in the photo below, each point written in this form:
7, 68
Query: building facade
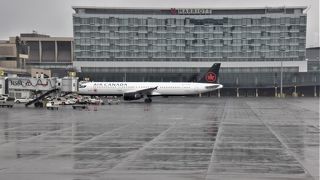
175, 44
8, 53
312, 56
54, 53
12, 58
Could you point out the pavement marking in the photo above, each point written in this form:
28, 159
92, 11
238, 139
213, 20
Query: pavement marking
283, 143
84, 142
217, 140
140, 150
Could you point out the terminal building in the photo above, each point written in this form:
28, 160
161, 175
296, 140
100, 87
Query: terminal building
45, 52
11, 57
40, 53
37, 56
177, 44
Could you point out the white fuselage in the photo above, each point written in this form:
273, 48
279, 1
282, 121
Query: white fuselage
161, 88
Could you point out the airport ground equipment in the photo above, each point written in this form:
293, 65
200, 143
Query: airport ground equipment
4, 88
22, 100
41, 86
69, 85
113, 100
65, 94
37, 100
6, 101
80, 106
52, 106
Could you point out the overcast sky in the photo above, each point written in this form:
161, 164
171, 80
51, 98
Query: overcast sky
54, 17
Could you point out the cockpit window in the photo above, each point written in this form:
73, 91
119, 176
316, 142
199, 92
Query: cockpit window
82, 86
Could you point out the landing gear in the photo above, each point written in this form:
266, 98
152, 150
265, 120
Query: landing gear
148, 100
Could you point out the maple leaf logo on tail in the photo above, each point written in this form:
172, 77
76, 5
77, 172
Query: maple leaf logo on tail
211, 77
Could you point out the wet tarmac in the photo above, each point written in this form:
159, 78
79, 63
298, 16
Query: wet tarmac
172, 139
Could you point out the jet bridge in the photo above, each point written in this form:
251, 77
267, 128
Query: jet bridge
45, 86
4, 88
33, 84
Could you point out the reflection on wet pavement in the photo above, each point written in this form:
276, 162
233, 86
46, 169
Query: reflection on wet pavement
178, 138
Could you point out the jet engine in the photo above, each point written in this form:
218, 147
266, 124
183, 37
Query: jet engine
132, 96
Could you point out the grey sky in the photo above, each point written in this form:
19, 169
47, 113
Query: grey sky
54, 17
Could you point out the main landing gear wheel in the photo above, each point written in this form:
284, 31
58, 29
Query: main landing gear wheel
148, 100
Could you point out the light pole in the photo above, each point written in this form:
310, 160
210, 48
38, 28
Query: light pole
284, 50
281, 69
281, 77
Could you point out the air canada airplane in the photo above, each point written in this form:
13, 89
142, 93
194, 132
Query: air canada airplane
137, 90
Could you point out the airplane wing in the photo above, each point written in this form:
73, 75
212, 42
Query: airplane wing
147, 91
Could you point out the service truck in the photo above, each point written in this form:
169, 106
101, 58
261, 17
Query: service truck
6, 101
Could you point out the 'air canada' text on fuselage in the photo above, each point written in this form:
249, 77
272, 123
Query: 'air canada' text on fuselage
111, 84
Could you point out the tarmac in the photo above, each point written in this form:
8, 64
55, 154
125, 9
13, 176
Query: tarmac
172, 139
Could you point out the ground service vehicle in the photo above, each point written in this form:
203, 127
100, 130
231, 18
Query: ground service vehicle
22, 100
6, 101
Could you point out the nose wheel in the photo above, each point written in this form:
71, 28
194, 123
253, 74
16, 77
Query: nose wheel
148, 100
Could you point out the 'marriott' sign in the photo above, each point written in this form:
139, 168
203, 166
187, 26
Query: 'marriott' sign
175, 11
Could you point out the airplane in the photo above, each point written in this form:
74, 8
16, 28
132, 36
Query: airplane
138, 90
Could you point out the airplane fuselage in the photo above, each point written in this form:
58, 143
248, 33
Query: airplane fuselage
161, 88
